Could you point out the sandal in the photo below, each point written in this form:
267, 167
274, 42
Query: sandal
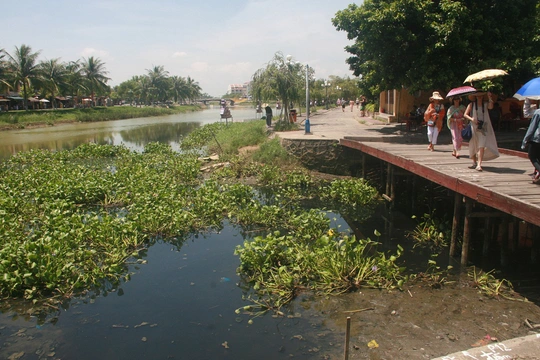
478, 168
473, 166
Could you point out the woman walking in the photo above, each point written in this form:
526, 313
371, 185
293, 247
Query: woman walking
433, 118
454, 121
532, 139
483, 145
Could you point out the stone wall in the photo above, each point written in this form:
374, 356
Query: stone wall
326, 156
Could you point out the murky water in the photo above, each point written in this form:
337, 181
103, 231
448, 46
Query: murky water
133, 133
180, 303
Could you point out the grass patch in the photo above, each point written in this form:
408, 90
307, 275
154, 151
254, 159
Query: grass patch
16, 119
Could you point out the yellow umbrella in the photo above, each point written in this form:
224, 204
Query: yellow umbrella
485, 75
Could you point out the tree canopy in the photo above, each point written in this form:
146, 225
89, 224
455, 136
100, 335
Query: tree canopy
426, 44
282, 79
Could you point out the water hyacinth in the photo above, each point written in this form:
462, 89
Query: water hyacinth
72, 219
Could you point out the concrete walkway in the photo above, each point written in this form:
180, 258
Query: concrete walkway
334, 124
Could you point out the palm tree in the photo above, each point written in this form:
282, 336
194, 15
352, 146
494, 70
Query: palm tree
24, 69
158, 82
74, 83
194, 90
54, 76
4, 81
179, 88
93, 71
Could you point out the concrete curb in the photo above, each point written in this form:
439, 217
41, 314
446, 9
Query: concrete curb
525, 347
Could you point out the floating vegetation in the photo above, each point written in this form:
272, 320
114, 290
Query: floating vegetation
489, 285
71, 221
431, 232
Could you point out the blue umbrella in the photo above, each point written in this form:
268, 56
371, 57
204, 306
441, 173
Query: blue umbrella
530, 90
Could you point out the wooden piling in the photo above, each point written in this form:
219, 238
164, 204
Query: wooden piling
458, 198
466, 232
347, 337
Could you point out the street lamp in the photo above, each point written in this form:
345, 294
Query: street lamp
326, 84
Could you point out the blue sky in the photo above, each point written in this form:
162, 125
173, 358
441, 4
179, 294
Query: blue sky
217, 43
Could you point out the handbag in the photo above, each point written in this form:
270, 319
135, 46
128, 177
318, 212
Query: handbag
466, 133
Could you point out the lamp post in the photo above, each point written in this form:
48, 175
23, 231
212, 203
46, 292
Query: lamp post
338, 88
326, 84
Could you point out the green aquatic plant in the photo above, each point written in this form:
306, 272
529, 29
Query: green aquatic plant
279, 266
489, 285
71, 221
430, 232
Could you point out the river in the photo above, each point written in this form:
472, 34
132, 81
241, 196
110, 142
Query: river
180, 302
133, 133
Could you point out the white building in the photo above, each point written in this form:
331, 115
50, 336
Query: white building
241, 90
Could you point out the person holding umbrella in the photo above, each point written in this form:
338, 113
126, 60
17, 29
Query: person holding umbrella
532, 140
454, 121
483, 144
433, 118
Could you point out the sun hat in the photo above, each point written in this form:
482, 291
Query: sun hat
436, 96
476, 94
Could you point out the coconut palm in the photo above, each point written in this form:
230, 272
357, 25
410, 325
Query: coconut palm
54, 75
74, 84
24, 68
158, 82
4, 81
179, 88
93, 71
194, 90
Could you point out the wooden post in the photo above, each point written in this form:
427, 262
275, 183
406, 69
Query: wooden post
466, 232
504, 241
388, 178
392, 185
347, 337
455, 223
487, 237
363, 165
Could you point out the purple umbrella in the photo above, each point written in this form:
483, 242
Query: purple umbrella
460, 91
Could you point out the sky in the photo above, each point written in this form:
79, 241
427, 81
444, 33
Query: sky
216, 43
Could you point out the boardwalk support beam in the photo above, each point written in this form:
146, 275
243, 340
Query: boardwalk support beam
466, 232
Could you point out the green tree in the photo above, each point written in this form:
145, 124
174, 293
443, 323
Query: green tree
4, 80
159, 85
24, 69
54, 75
179, 88
194, 90
93, 71
282, 79
74, 84
425, 44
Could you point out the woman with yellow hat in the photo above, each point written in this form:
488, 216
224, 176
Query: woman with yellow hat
433, 118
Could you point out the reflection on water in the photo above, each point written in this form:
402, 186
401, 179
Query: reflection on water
133, 133
180, 304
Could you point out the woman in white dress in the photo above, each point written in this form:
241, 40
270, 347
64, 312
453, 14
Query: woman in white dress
483, 144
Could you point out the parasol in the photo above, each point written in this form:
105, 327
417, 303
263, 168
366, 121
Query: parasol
530, 90
460, 91
485, 75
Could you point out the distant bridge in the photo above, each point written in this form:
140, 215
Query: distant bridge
206, 101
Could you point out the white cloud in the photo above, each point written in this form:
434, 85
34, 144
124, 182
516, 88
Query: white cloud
94, 52
178, 54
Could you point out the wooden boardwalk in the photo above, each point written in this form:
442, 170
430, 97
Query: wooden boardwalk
504, 184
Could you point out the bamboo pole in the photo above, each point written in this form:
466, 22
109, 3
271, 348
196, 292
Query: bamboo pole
347, 337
